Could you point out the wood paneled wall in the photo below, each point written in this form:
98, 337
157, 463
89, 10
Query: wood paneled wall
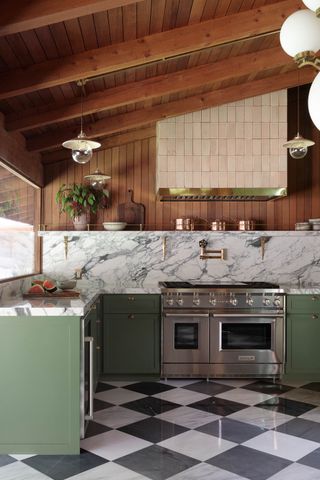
133, 165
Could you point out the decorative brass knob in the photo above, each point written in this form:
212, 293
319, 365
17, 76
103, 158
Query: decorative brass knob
314, 316
131, 316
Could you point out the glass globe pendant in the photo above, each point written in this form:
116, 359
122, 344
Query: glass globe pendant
314, 5
97, 179
81, 146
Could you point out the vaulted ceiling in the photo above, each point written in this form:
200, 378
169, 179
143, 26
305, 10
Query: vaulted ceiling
142, 61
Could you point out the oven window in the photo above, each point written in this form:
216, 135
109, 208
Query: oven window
246, 336
186, 335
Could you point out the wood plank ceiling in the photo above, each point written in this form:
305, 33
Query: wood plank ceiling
144, 60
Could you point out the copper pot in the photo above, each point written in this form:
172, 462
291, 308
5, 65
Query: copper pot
246, 225
184, 224
218, 225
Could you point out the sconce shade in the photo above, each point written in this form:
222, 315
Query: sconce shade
312, 4
314, 101
300, 33
81, 148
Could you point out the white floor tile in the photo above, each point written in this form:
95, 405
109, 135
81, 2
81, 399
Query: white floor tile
313, 415
203, 471
117, 416
179, 382
303, 395
20, 471
295, 471
197, 445
234, 382
114, 444
261, 417
282, 445
118, 396
188, 417
242, 395
21, 456
181, 396
117, 383
109, 471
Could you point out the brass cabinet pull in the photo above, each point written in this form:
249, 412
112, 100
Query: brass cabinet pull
98, 348
314, 316
131, 298
314, 299
131, 316
94, 307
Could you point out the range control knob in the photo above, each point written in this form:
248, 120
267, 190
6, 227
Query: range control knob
249, 300
212, 300
169, 300
277, 302
196, 299
179, 299
266, 302
233, 300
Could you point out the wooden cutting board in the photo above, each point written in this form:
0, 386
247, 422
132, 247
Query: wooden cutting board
131, 212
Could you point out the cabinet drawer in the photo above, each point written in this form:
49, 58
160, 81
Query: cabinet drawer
303, 303
131, 303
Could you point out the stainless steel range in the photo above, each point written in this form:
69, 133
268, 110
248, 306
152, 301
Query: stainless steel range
222, 330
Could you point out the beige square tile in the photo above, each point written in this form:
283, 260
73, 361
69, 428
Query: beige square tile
231, 163
162, 163
188, 118
223, 163
256, 147
188, 179
171, 142
283, 163
205, 147
257, 101
239, 113
283, 179
188, 129
163, 179
162, 130
239, 103
274, 98
283, 131
248, 130
239, 130
205, 180
248, 114
214, 180
248, 181
171, 130
265, 99
240, 163
214, 147
248, 147
256, 130
180, 130
248, 101
171, 163
196, 163
172, 179
206, 130
222, 146
247, 164
180, 119
265, 179
180, 163
274, 179
240, 179
265, 130
179, 147
274, 114
196, 179
231, 179
265, 147
257, 179
265, 113
188, 147
231, 128
196, 130
257, 113
256, 163
283, 114
196, 147
274, 163
180, 179
231, 113
283, 97
196, 116
223, 113
214, 114
205, 163
223, 179
274, 130
205, 115
274, 147
162, 146
231, 146
240, 146
188, 162
214, 130
265, 163
222, 130
214, 163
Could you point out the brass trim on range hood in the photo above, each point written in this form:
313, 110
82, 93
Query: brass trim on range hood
219, 194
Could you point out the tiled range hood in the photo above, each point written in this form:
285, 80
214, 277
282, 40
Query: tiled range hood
233, 152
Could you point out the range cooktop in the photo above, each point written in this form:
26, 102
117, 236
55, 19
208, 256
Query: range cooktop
263, 285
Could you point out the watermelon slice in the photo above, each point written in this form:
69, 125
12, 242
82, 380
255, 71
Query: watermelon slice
37, 282
36, 289
49, 286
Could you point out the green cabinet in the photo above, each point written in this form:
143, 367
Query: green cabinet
40, 385
303, 336
131, 334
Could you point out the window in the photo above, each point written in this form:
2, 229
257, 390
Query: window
19, 217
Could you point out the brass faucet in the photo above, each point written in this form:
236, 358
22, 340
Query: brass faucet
216, 254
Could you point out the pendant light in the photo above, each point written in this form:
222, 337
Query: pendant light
97, 179
81, 146
298, 146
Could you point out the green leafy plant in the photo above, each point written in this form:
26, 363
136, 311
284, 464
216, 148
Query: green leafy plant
77, 199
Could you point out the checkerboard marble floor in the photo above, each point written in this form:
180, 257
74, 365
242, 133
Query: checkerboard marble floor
190, 429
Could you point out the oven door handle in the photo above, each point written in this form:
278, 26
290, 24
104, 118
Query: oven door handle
247, 315
186, 315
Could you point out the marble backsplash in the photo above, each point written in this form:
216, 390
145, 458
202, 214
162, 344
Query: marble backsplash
118, 260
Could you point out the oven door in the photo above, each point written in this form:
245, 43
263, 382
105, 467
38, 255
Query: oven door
185, 337
246, 338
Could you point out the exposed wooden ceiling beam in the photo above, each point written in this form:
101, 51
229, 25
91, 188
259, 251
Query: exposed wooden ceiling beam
138, 118
21, 15
150, 88
110, 142
172, 43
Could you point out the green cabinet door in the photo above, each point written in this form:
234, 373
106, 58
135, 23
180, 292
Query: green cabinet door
40, 385
303, 352
131, 343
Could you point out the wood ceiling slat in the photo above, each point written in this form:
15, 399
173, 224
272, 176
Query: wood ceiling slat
7, 54
88, 32
130, 22
61, 39
184, 12
17, 44
116, 25
196, 11
74, 34
101, 22
45, 38
209, 10
143, 18
37, 52
156, 16
170, 14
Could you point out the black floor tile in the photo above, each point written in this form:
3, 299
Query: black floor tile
249, 463
6, 459
284, 405
95, 428
312, 459
208, 388
268, 388
157, 463
103, 387
150, 406
149, 388
60, 467
302, 428
153, 429
231, 430
218, 406
100, 405
315, 386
